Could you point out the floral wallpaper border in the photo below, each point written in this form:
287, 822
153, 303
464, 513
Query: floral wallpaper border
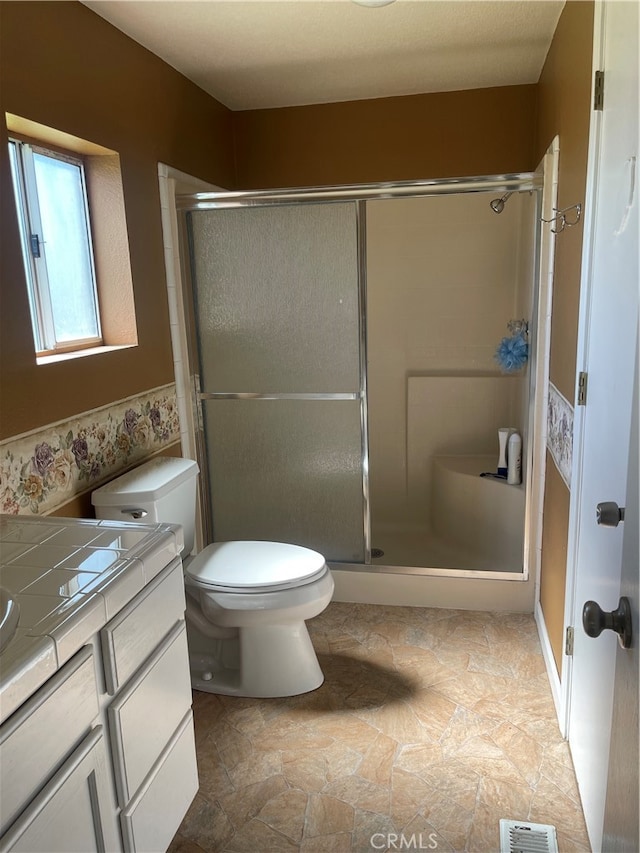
560, 433
43, 469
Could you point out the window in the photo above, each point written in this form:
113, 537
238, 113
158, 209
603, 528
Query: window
53, 215
73, 230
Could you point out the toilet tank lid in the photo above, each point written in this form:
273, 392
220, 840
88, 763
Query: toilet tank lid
146, 483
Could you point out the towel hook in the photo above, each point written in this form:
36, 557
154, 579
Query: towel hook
562, 220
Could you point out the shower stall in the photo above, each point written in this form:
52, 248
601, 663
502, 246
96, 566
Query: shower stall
341, 350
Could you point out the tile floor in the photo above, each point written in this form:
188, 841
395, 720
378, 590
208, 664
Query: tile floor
431, 726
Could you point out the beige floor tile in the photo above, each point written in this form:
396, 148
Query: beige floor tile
549, 804
484, 833
377, 764
371, 832
434, 712
327, 816
257, 836
338, 842
562, 775
360, 793
213, 775
430, 727
451, 822
246, 802
349, 730
180, 844
286, 813
523, 751
513, 800
409, 794
206, 825
307, 769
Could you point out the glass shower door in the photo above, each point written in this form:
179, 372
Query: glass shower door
278, 326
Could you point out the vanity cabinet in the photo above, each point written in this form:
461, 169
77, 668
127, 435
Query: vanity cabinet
51, 738
102, 756
73, 812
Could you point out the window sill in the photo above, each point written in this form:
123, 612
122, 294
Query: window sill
67, 356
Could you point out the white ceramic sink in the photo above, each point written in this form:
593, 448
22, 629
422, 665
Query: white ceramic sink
9, 615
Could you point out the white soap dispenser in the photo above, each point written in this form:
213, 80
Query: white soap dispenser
514, 459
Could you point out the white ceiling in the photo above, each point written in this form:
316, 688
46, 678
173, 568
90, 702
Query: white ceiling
275, 53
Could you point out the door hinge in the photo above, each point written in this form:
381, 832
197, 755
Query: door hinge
582, 388
598, 91
34, 244
568, 643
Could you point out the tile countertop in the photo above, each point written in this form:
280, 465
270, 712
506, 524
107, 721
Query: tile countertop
69, 577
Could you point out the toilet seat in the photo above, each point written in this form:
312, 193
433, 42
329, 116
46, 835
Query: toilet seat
254, 567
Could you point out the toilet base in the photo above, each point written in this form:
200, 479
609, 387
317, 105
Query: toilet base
275, 661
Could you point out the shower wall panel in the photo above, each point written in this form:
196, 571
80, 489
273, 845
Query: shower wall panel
444, 276
453, 416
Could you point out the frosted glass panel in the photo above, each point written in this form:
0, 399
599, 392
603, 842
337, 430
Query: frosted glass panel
287, 471
276, 293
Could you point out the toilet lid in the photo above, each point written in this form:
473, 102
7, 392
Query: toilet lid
251, 566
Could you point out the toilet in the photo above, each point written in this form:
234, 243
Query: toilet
246, 601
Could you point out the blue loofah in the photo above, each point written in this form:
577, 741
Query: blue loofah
512, 353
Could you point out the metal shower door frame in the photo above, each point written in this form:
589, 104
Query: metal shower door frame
360, 194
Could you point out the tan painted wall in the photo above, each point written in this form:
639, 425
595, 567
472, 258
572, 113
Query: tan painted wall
564, 108
447, 134
65, 67
554, 557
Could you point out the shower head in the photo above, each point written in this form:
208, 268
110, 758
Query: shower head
497, 205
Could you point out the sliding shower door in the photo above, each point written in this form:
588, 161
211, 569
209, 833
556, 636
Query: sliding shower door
278, 324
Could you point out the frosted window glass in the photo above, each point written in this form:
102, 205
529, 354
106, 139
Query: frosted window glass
276, 293
287, 471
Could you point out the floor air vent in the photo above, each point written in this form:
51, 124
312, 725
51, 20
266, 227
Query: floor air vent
522, 837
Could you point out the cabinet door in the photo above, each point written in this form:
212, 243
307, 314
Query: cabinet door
75, 812
36, 739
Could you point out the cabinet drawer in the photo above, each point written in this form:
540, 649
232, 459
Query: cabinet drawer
135, 632
42, 732
74, 811
154, 815
145, 715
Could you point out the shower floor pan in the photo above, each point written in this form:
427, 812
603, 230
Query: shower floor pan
419, 546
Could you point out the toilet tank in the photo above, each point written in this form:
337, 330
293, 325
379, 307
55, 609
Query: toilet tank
162, 489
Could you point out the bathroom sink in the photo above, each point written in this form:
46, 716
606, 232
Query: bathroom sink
9, 615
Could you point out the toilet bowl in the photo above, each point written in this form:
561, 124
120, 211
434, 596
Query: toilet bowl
246, 601
264, 592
